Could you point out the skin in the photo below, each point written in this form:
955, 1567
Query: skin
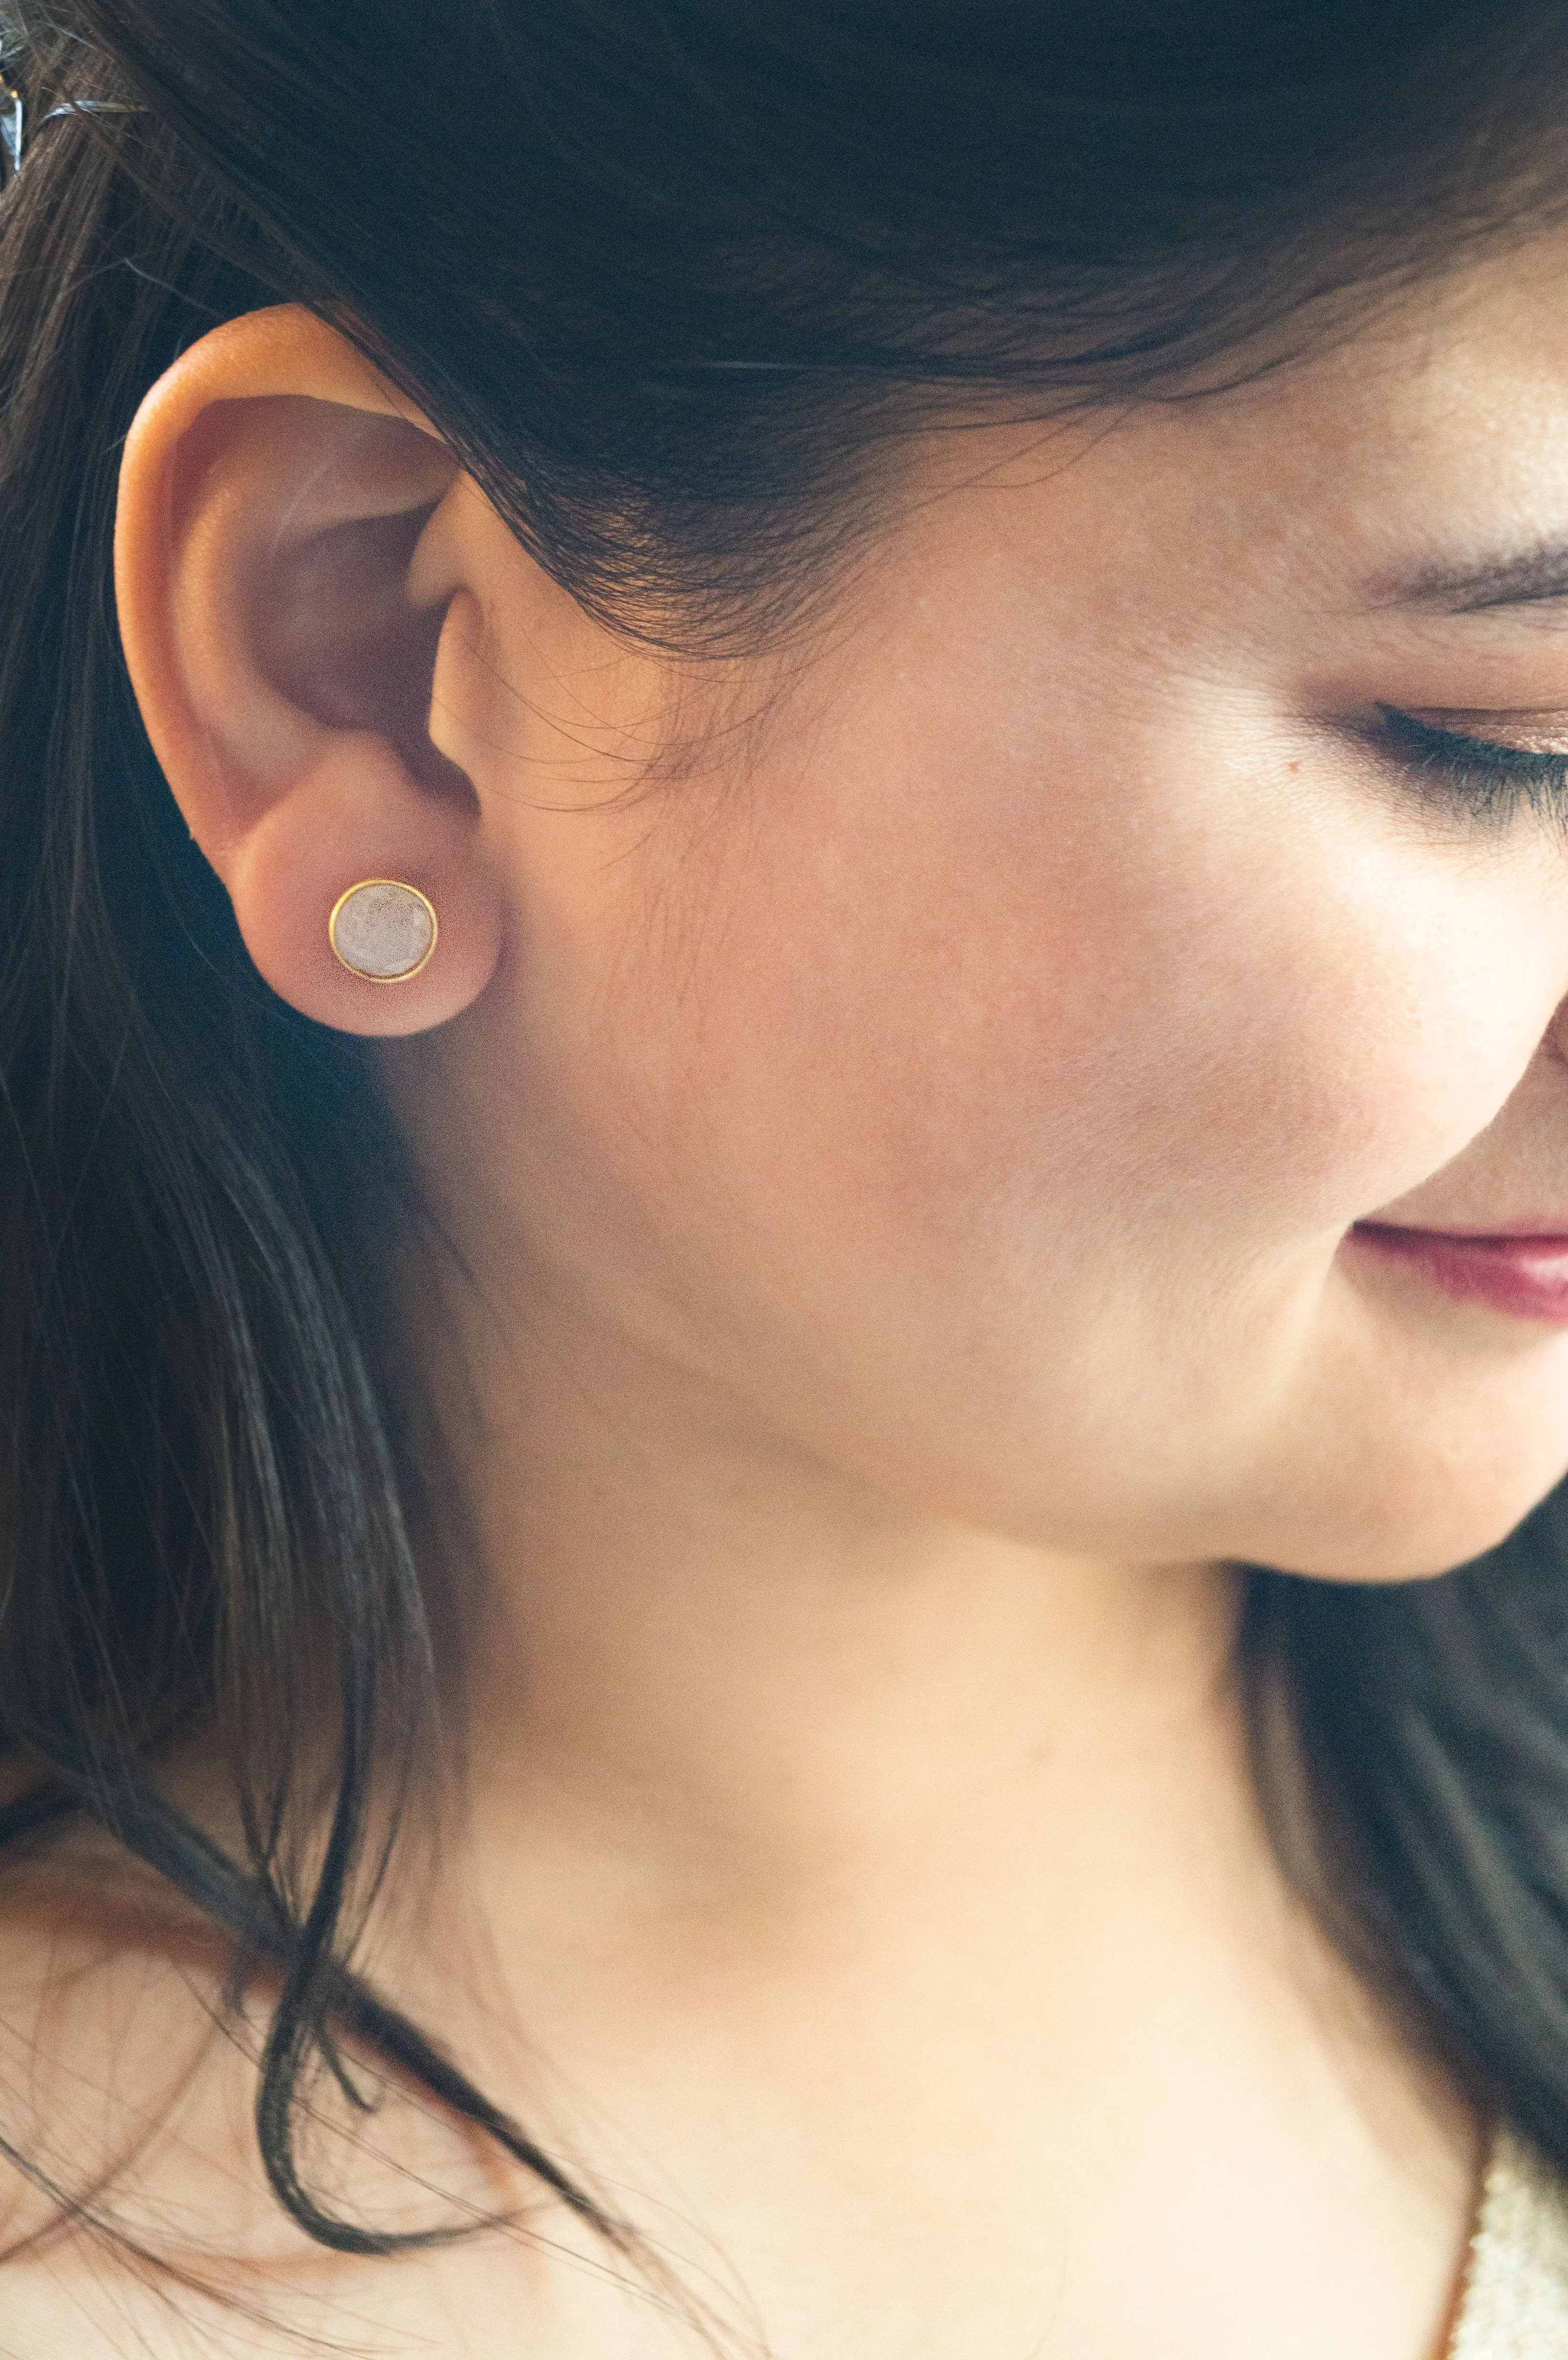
901, 1103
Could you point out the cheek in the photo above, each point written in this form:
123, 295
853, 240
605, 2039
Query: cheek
995, 1134
1008, 1025
938, 1060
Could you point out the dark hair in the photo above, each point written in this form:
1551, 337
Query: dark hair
671, 277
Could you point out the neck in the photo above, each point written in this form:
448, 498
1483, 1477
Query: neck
805, 1827
699, 1649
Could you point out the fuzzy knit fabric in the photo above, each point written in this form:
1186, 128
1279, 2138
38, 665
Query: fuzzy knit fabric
1515, 2304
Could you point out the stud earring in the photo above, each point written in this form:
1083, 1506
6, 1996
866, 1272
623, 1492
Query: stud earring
382, 931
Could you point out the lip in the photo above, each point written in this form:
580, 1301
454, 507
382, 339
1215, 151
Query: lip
1522, 1273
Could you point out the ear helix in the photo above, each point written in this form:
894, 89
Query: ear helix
384, 931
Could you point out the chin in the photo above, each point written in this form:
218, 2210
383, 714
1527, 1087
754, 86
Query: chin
1398, 1467
1434, 1537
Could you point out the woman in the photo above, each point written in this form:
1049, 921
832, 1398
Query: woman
786, 1164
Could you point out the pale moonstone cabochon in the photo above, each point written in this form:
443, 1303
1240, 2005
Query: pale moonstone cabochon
383, 931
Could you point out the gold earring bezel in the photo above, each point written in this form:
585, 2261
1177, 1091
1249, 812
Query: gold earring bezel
361, 885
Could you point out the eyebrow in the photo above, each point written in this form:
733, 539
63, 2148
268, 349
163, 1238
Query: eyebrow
1529, 578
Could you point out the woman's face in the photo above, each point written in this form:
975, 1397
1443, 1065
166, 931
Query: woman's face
969, 1064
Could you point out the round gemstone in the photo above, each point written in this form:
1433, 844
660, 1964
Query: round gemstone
384, 930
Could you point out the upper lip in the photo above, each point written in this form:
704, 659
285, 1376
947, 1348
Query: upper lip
1548, 1230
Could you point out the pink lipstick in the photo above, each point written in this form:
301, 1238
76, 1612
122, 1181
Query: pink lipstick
1526, 1276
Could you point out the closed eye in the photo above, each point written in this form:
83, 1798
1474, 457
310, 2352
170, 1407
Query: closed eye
1482, 777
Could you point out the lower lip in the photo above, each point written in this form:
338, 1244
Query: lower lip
1526, 1277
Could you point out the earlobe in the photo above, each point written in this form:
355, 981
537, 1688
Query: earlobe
273, 494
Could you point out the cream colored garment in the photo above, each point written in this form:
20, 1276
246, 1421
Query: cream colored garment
1515, 2305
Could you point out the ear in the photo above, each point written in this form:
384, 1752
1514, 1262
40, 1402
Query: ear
273, 494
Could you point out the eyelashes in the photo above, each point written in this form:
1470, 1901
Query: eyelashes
1485, 781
